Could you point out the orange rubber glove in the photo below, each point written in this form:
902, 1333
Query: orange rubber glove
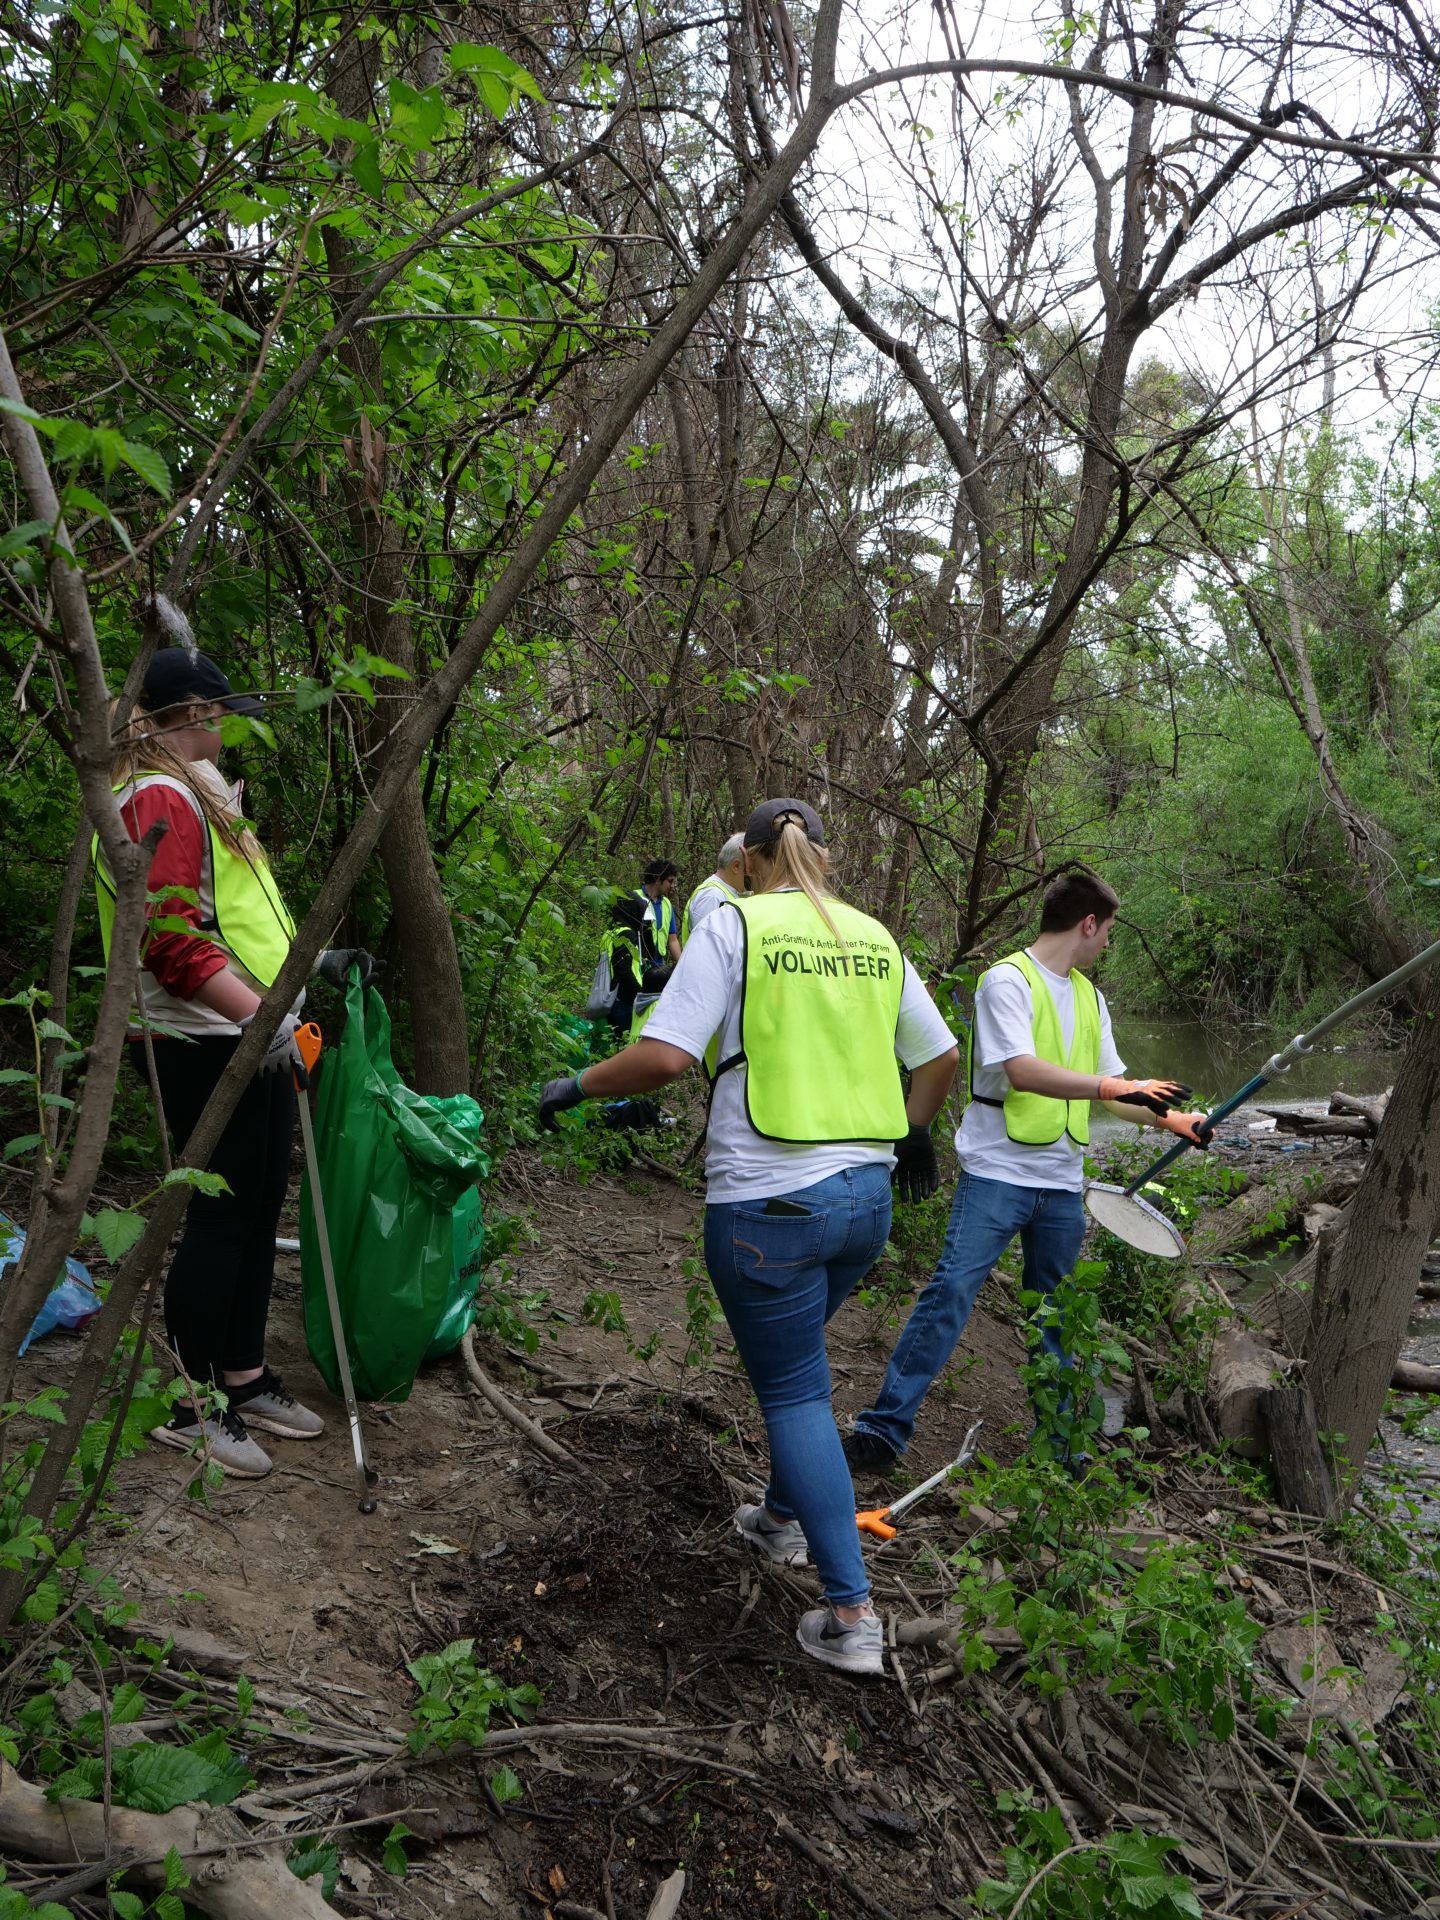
1158, 1096
1193, 1128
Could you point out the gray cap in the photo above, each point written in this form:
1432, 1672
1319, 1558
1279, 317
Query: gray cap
765, 822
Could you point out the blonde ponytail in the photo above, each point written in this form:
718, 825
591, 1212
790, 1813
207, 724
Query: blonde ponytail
143, 748
793, 860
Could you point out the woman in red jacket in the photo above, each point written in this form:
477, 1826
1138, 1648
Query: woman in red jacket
217, 935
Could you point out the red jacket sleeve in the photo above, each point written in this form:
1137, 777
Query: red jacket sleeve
181, 962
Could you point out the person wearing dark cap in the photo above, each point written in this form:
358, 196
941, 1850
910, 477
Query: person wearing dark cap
814, 1008
218, 933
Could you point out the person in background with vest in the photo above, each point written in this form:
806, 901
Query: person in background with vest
1041, 1049
812, 1002
727, 882
658, 886
209, 954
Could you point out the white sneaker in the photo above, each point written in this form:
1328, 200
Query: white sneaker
780, 1540
274, 1409
220, 1437
858, 1649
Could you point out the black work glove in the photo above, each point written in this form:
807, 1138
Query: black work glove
334, 965
556, 1096
1157, 1096
916, 1174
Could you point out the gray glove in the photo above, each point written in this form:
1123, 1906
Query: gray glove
282, 1052
556, 1096
334, 965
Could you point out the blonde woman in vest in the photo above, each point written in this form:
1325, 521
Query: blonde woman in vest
1041, 1049
812, 1003
211, 949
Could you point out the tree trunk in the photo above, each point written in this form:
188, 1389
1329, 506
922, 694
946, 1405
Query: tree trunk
1357, 1328
426, 939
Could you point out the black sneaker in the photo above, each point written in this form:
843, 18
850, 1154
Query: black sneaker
267, 1404
867, 1453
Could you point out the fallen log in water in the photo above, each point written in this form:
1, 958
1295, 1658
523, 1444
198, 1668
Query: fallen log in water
1348, 1118
1413, 1376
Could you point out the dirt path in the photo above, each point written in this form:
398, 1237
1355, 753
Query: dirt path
619, 1590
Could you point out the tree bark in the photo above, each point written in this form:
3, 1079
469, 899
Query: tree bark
1358, 1327
223, 1881
1301, 1475
423, 929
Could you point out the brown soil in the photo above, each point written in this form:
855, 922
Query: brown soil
620, 1591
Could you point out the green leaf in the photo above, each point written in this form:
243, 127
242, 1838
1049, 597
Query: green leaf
466, 57
24, 1143
505, 1785
392, 1852
129, 1906
198, 1177
365, 165
22, 536
16, 1077
118, 1231
415, 118
310, 1858
148, 464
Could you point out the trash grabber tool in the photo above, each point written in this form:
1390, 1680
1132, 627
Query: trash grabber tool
308, 1043
1140, 1225
878, 1521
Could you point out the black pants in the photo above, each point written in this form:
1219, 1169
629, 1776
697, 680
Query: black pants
217, 1292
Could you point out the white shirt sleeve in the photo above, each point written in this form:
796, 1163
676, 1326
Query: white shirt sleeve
707, 973
1003, 1026
702, 905
921, 1033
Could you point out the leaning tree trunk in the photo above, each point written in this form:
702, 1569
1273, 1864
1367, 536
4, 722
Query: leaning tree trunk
423, 929
1358, 1322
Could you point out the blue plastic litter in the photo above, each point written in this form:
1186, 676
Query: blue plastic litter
70, 1303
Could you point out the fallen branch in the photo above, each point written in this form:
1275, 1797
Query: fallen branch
507, 1409
224, 1880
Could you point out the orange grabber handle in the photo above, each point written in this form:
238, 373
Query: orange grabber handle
307, 1044
873, 1521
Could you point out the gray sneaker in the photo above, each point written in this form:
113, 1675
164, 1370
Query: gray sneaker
220, 1437
266, 1404
780, 1540
857, 1649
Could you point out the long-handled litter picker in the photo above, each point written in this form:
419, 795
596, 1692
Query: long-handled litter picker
879, 1522
1121, 1210
308, 1043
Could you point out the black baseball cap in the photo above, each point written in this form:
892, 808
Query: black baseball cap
175, 677
765, 822
658, 870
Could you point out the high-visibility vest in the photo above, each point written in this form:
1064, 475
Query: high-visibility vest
1039, 1119
714, 884
661, 916
248, 920
817, 1023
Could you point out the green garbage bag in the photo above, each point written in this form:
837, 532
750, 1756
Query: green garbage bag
398, 1171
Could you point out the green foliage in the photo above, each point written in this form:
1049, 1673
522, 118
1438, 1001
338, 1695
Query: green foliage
456, 1698
1121, 1877
157, 1778
316, 1859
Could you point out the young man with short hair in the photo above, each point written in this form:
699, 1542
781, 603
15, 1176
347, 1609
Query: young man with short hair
1041, 1049
658, 884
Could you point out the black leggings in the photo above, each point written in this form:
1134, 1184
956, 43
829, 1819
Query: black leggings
217, 1292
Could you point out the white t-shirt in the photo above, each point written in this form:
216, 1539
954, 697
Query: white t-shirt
704, 901
1003, 1029
704, 995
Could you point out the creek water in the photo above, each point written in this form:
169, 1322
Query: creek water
1216, 1060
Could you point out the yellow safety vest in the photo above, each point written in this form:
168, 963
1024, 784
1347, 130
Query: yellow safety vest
817, 1023
1038, 1119
713, 885
250, 920
660, 931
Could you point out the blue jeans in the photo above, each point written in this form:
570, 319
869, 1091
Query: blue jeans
779, 1279
985, 1217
